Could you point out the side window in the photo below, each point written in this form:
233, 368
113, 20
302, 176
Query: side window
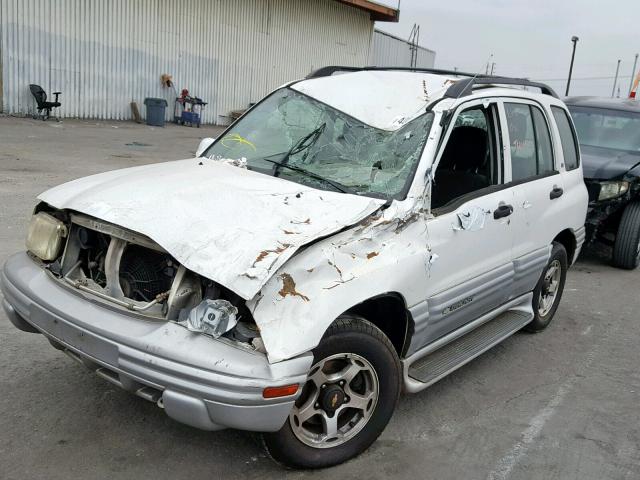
470, 160
531, 151
544, 150
567, 137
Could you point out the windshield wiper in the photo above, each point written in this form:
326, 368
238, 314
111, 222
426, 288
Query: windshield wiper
336, 185
305, 142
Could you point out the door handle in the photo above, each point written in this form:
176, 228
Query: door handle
556, 193
502, 211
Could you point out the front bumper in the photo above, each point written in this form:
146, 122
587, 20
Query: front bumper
206, 383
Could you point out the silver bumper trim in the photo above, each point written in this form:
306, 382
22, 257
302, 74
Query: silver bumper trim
206, 383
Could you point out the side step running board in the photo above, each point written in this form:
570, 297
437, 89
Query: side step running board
429, 369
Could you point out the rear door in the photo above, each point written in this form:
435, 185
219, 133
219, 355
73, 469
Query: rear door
539, 188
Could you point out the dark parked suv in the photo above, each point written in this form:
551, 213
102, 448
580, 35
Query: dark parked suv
609, 136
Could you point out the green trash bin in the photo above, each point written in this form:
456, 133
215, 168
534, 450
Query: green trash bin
155, 111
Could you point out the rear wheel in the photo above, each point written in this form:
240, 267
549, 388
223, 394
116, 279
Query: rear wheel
548, 292
341, 410
626, 250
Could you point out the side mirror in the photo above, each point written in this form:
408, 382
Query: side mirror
204, 144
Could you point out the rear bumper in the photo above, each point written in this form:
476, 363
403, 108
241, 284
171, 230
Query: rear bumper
206, 383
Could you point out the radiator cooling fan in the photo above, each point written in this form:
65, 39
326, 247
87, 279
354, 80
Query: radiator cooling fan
145, 273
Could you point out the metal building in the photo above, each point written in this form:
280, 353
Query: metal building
103, 54
391, 51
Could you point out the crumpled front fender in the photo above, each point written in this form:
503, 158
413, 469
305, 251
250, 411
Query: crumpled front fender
388, 253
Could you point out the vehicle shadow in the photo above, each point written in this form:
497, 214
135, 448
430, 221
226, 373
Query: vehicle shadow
595, 254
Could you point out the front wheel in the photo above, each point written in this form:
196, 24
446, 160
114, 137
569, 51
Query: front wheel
626, 250
347, 401
548, 291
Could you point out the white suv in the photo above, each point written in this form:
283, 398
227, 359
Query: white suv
356, 233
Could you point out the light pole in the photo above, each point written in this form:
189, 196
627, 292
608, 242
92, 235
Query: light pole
615, 81
633, 73
574, 39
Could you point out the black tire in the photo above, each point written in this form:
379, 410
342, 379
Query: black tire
626, 250
348, 334
540, 322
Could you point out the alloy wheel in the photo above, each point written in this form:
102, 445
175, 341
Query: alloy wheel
549, 290
336, 402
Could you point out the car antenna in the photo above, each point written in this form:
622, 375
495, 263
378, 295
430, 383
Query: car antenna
470, 81
447, 115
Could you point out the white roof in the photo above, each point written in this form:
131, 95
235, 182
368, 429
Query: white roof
385, 99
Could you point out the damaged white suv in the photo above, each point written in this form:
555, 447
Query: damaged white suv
356, 233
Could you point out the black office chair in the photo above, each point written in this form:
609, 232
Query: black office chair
44, 107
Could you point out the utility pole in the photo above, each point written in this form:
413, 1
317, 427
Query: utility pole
633, 73
486, 70
615, 81
574, 39
414, 40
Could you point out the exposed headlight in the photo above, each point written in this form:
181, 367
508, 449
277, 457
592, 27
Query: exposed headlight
46, 236
213, 317
610, 190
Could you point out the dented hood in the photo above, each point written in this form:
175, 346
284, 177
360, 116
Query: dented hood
606, 163
228, 224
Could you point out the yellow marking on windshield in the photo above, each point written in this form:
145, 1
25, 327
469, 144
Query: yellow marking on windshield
235, 137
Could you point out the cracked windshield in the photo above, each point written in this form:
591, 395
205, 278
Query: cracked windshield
292, 136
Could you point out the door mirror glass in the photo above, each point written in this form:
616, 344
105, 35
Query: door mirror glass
204, 144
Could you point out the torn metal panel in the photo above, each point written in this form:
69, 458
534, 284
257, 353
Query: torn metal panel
471, 218
225, 223
297, 305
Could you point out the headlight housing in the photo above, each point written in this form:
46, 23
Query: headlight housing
610, 190
45, 236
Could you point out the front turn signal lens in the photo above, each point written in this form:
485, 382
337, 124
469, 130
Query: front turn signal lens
284, 391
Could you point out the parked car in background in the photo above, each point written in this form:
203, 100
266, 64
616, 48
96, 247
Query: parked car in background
609, 137
354, 234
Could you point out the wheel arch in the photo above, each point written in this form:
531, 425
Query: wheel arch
388, 311
568, 240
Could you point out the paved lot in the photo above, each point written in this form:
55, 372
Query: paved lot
563, 404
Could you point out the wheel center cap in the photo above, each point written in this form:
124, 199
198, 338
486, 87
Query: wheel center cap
332, 398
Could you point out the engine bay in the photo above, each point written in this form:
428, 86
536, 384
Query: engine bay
132, 271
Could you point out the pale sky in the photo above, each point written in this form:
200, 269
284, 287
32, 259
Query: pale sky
530, 38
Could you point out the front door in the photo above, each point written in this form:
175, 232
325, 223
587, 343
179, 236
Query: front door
471, 234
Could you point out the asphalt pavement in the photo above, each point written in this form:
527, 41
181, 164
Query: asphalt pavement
562, 404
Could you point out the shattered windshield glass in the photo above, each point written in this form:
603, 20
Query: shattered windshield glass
293, 136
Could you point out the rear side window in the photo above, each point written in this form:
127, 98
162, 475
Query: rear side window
530, 141
567, 137
543, 142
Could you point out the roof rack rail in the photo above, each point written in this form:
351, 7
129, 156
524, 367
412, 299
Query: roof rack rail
330, 70
461, 88
464, 87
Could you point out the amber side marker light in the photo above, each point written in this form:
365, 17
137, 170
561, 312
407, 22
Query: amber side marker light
284, 391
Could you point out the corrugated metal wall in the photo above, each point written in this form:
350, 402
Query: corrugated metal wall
390, 51
103, 54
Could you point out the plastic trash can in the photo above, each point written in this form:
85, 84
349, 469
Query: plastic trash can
155, 111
